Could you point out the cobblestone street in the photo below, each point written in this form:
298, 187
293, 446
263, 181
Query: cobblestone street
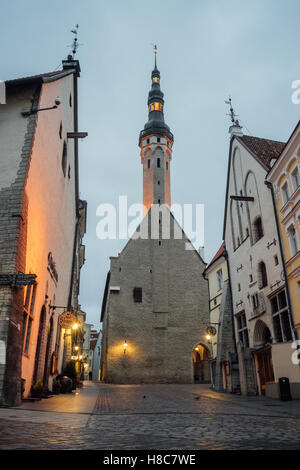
164, 417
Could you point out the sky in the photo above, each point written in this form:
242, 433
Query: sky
207, 50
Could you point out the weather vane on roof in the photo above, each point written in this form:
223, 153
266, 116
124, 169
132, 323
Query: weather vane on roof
75, 43
232, 114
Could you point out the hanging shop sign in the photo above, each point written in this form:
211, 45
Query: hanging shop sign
67, 319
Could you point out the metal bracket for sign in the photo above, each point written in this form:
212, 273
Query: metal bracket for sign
17, 280
239, 268
272, 243
58, 306
242, 198
240, 303
76, 135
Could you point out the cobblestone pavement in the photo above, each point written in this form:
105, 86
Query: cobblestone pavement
164, 417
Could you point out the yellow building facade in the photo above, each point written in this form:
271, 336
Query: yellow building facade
285, 178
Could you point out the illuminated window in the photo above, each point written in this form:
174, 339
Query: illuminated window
152, 107
155, 79
156, 106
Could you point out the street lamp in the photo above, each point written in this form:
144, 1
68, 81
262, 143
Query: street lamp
125, 346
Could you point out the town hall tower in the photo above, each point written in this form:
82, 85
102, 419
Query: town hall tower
155, 306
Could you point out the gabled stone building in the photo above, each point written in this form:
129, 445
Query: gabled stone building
263, 321
155, 306
40, 215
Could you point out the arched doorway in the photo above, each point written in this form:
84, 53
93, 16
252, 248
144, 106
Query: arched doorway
39, 353
48, 353
201, 364
263, 356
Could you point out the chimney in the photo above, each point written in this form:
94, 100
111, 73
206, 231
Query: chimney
235, 129
71, 63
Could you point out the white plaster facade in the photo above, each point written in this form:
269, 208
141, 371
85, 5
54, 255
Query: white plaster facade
254, 285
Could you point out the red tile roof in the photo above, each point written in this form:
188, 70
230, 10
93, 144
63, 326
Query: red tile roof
264, 149
218, 254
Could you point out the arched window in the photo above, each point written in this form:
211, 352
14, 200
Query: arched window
262, 275
257, 229
158, 163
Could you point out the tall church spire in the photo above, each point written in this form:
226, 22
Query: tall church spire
156, 141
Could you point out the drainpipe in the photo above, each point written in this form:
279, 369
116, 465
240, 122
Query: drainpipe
270, 186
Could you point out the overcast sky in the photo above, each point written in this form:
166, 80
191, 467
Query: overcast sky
208, 49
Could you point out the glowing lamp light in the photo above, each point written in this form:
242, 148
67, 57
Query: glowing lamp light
208, 337
76, 348
80, 357
125, 346
197, 349
75, 326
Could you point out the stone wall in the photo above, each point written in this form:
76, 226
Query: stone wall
162, 330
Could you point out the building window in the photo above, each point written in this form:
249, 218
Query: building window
167, 165
255, 302
281, 321
60, 130
257, 229
70, 100
158, 182
242, 329
64, 159
262, 275
138, 294
28, 316
293, 239
149, 163
158, 139
250, 278
158, 163
148, 141
285, 193
276, 260
295, 179
239, 287
220, 279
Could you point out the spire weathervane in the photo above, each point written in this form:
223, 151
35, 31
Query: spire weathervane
232, 114
75, 44
155, 52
